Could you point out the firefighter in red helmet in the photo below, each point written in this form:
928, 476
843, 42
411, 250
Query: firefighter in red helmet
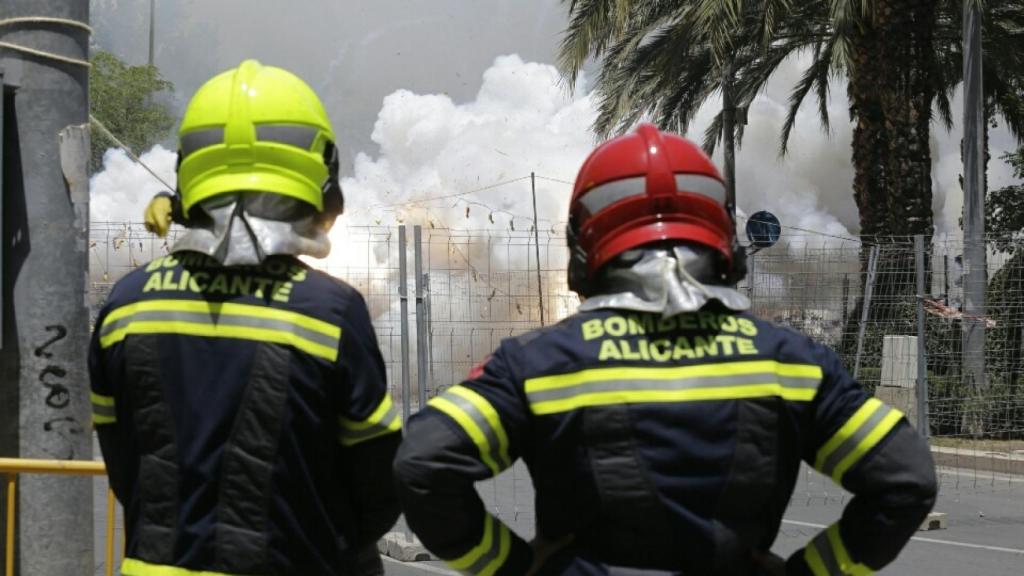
663, 424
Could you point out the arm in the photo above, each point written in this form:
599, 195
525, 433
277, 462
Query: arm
468, 434
872, 451
369, 429
104, 413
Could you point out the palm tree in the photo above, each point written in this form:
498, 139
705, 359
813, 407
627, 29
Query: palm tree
663, 59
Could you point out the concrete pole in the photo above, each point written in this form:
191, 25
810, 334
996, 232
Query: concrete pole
44, 392
975, 270
152, 28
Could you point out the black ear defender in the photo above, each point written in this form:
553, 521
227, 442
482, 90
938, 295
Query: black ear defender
334, 199
177, 214
738, 271
577, 262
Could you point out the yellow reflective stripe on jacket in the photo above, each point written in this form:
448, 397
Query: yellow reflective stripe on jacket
222, 320
827, 556
630, 385
478, 418
136, 567
859, 434
487, 557
383, 420
102, 409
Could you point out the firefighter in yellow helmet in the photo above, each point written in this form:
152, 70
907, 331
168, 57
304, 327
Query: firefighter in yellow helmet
239, 395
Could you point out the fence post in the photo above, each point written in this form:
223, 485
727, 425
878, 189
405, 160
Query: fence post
922, 360
868, 287
403, 297
751, 277
846, 296
421, 323
536, 244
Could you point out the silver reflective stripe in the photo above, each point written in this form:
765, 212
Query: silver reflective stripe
356, 436
822, 544
222, 320
706, 382
198, 139
101, 410
850, 444
495, 549
600, 197
481, 421
291, 134
703, 185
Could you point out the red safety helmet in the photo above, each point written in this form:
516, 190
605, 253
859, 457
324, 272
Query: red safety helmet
645, 187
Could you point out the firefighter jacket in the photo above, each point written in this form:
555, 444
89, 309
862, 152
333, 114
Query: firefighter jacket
670, 445
244, 420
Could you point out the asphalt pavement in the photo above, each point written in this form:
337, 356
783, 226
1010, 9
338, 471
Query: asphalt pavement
984, 534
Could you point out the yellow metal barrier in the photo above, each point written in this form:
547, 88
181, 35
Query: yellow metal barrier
12, 467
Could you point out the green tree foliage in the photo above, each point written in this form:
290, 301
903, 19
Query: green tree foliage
1004, 209
1004, 222
122, 98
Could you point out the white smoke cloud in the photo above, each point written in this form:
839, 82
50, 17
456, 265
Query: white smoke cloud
467, 165
120, 192
522, 120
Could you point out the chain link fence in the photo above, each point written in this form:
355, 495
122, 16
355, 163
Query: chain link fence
472, 288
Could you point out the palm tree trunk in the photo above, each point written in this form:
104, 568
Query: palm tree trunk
891, 98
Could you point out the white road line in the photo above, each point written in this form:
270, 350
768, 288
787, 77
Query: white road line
929, 540
420, 566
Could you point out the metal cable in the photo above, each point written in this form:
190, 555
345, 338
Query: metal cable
106, 132
44, 53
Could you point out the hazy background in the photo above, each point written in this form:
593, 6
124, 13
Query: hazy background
438, 98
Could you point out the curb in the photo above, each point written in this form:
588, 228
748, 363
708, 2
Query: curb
976, 460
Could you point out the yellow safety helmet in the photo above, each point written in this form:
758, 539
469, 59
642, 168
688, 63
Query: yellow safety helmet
257, 128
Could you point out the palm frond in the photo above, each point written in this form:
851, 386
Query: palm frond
817, 74
592, 25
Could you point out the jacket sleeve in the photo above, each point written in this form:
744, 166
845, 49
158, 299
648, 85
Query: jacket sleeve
871, 450
369, 428
111, 432
469, 433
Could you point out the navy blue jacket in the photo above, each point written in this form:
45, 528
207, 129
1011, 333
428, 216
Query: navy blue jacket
662, 444
244, 419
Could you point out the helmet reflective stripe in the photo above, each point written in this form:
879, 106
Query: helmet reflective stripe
290, 134
600, 197
199, 139
293, 135
703, 185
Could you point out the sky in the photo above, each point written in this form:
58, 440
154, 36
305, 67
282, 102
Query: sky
446, 97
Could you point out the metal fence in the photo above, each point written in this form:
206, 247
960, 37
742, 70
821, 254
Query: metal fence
455, 294
465, 290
